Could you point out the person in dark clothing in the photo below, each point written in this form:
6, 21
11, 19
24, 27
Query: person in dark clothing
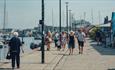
71, 42
14, 49
98, 37
56, 37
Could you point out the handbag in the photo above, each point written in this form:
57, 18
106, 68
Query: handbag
8, 56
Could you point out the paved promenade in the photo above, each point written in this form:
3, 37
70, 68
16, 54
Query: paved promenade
94, 58
32, 61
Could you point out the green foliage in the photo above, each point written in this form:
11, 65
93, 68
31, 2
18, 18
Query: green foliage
92, 32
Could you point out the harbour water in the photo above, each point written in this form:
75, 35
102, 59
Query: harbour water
26, 47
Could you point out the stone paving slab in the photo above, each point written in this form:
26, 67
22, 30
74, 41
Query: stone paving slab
91, 59
33, 61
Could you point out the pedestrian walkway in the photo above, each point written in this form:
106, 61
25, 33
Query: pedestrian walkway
32, 61
93, 58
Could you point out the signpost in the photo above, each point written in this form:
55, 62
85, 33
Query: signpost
42, 22
60, 19
67, 18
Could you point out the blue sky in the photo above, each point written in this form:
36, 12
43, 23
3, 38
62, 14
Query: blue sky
23, 14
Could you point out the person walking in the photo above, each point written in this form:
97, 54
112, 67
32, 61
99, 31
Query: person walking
14, 49
98, 37
71, 44
81, 39
56, 37
48, 40
63, 40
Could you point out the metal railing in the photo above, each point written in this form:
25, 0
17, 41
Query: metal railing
3, 52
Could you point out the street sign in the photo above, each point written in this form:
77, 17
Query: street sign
40, 22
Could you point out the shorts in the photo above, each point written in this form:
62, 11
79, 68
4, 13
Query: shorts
81, 43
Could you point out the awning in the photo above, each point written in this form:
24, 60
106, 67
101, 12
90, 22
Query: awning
105, 25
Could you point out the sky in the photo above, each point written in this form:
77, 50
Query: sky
22, 14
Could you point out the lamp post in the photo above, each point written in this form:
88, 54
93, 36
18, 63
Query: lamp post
84, 18
4, 16
42, 21
67, 17
60, 19
92, 15
70, 19
22, 36
52, 21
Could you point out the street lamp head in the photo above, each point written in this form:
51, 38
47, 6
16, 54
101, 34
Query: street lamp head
66, 2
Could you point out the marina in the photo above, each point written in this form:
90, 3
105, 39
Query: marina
26, 46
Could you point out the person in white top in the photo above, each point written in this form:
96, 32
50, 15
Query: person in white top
81, 39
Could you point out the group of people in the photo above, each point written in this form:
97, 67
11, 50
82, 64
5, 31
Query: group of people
61, 41
66, 39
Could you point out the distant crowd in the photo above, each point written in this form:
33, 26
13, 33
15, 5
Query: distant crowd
66, 40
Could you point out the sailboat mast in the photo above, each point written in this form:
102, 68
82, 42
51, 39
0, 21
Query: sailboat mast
92, 15
52, 20
4, 15
99, 17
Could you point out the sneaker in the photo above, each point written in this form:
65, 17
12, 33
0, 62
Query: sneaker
69, 53
48, 49
79, 52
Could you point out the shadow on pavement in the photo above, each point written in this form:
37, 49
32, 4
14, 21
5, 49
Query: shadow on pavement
102, 50
5, 68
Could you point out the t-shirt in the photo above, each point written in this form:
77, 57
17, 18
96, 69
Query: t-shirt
81, 36
56, 36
